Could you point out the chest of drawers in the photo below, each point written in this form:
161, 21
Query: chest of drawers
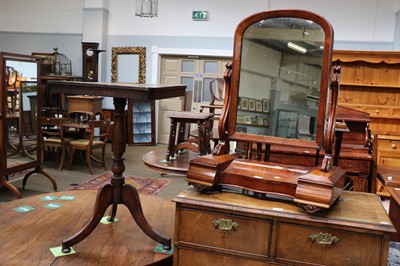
387, 155
232, 229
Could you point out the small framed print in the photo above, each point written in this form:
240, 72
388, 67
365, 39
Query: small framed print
244, 104
254, 120
247, 119
265, 105
266, 122
252, 105
260, 120
241, 129
240, 119
259, 106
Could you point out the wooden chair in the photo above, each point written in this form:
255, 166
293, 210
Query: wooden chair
217, 95
53, 137
99, 132
12, 90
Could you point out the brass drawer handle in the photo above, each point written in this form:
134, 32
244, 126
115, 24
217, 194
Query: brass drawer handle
225, 224
324, 239
394, 146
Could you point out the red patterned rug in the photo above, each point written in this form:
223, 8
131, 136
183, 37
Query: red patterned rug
147, 186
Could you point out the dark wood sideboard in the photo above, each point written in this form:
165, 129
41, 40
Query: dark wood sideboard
232, 229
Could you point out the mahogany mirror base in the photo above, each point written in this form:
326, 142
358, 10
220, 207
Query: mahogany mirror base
313, 190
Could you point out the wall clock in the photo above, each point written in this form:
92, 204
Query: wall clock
90, 63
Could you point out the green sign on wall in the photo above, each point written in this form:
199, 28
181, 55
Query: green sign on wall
200, 15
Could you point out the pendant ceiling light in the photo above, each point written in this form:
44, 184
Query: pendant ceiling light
146, 8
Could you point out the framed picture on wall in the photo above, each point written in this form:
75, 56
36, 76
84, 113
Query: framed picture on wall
244, 104
247, 119
259, 106
241, 129
252, 105
265, 105
240, 119
260, 120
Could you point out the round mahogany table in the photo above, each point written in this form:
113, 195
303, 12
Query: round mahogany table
25, 238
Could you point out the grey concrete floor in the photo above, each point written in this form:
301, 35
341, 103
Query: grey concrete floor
79, 173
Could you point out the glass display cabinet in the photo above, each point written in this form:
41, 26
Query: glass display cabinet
141, 126
128, 65
21, 142
282, 90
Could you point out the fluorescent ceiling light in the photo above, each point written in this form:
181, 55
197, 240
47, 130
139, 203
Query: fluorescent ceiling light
296, 47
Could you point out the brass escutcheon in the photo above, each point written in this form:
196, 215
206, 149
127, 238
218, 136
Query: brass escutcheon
225, 224
324, 239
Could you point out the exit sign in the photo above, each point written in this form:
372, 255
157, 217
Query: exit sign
200, 15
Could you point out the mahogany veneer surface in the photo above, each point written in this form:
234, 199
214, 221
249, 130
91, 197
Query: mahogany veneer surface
25, 238
272, 232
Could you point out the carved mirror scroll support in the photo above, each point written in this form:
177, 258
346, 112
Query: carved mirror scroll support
327, 162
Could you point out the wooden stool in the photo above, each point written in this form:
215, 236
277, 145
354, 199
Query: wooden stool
203, 128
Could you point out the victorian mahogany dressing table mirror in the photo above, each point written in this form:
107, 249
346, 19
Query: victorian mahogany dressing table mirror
281, 90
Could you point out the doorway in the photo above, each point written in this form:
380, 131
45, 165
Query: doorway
196, 72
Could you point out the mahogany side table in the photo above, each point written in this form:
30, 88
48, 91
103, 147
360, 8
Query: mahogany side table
117, 192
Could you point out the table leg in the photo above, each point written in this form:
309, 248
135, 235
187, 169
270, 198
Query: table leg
39, 170
5, 183
130, 198
171, 142
103, 200
117, 192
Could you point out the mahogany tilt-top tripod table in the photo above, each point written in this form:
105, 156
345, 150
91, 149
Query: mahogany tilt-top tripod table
117, 192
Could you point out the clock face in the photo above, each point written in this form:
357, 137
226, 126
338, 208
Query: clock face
89, 52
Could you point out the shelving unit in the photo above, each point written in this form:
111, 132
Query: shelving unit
252, 122
141, 124
370, 82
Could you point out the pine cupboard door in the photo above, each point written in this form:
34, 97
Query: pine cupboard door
194, 72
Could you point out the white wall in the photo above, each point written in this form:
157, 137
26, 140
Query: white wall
353, 20
55, 16
362, 20
40, 25
175, 17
